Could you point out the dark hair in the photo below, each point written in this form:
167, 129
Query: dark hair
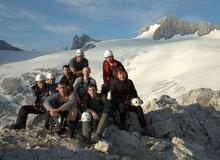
61, 83
121, 69
91, 85
66, 66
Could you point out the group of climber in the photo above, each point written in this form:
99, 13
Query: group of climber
75, 98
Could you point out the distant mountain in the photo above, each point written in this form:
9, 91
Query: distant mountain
171, 26
5, 46
84, 42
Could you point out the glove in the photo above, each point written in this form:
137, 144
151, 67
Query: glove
136, 102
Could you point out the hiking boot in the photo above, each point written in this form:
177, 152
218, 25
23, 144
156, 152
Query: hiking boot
96, 138
84, 140
145, 131
123, 126
47, 125
15, 126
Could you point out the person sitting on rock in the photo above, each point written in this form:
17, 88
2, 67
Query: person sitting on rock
63, 103
78, 63
95, 108
81, 83
110, 68
40, 93
125, 98
51, 83
68, 77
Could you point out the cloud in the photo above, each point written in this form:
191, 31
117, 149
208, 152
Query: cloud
82, 3
125, 11
31, 15
4, 11
64, 29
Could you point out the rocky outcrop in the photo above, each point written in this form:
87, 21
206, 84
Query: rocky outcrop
143, 29
171, 26
203, 96
5, 46
84, 42
177, 133
193, 129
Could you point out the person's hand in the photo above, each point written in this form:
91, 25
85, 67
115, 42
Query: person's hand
94, 115
53, 112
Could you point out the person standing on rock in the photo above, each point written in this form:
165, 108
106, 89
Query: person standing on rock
95, 109
125, 98
68, 77
78, 63
63, 103
41, 92
110, 68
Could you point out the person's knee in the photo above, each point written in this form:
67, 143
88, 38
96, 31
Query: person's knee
86, 117
24, 109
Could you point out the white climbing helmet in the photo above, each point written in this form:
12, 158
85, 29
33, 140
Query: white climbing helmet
50, 75
136, 102
39, 77
86, 117
79, 52
108, 53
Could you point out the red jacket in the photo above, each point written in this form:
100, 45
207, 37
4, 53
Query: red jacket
106, 71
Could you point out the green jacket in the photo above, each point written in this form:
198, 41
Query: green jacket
98, 104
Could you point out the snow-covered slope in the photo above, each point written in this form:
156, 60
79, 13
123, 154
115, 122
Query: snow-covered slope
149, 34
156, 67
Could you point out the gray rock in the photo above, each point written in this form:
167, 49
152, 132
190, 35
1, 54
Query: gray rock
11, 86
143, 29
203, 96
171, 26
160, 146
83, 41
103, 146
194, 123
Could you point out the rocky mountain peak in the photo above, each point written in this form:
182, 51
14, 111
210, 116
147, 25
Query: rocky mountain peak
5, 46
85, 42
171, 26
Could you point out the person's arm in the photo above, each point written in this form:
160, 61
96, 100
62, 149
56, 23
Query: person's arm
86, 63
134, 91
51, 102
113, 93
74, 71
105, 73
76, 84
72, 102
93, 81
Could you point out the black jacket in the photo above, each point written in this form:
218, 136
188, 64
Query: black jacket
69, 81
123, 91
40, 95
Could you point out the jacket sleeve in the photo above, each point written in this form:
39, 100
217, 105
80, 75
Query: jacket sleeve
113, 92
134, 91
69, 104
76, 84
86, 63
105, 73
51, 102
71, 63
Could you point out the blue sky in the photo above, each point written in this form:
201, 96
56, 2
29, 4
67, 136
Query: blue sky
44, 24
